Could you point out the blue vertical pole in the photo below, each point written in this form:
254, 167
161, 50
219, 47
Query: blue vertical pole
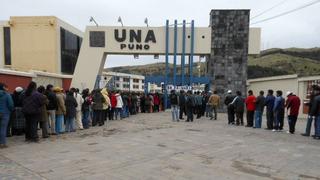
175, 53
183, 52
191, 52
167, 66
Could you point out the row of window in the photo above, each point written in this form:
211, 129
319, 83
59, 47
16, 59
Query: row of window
125, 79
127, 86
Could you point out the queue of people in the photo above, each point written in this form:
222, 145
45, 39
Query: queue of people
190, 104
276, 106
56, 111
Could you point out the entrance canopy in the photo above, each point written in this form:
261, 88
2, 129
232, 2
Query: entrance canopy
100, 41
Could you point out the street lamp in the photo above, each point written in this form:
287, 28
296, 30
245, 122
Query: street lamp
94, 21
120, 20
146, 22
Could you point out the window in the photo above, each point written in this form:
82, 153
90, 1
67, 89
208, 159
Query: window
7, 46
136, 80
135, 86
70, 48
142, 81
126, 79
142, 87
117, 78
117, 85
125, 85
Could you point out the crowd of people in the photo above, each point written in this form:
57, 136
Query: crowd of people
276, 106
56, 111
201, 104
190, 104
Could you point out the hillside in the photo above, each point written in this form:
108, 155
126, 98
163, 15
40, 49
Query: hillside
271, 62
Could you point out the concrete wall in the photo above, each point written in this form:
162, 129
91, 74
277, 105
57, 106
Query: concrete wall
283, 83
33, 43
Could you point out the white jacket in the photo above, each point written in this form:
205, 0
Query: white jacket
79, 100
119, 101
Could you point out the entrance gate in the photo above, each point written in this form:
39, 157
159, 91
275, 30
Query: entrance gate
100, 41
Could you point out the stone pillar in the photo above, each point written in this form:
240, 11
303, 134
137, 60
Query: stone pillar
227, 63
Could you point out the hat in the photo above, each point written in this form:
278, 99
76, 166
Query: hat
289, 93
19, 89
57, 89
229, 91
210, 92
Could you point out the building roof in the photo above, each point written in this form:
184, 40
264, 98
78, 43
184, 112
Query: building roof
123, 75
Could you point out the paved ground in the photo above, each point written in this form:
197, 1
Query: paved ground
150, 146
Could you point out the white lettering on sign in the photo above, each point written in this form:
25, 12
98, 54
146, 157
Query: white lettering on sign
135, 39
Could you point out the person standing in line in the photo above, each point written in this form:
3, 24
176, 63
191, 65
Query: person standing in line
251, 107
106, 104
44, 114
18, 120
278, 110
32, 103
315, 111
51, 108
230, 108
6, 107
198, 104
269, 103
238, 103
174, 101
314, 92
293, 103
86, 108
142, 103
113, 100
97, 108
208, 108
182, 104
213, 103
79, 99
260, 103
71, 111
190, 104
156, 100
61, 110
119, 105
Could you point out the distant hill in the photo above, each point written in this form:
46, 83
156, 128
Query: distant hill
271, 62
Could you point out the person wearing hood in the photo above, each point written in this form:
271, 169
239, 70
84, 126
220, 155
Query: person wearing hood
107, 103
119, 105
6, 107
79, 99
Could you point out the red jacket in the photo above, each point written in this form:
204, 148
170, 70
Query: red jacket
113, 100
293, 103
156, 100
251, 103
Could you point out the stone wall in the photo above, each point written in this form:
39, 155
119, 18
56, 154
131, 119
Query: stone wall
227, 63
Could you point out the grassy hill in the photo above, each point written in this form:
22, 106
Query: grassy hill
271, 62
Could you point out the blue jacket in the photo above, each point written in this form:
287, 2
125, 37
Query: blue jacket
6, 102
278, 103
269, 102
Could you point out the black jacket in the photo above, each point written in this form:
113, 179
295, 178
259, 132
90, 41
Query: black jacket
182, 100
239, 104
71, 105
53, 105
229, 98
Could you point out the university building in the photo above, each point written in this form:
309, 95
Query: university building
39, 48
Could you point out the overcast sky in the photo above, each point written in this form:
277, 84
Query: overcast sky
298, 29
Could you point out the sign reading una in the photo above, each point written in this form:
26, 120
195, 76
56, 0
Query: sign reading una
137, 40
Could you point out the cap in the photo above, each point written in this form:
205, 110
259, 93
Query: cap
229, 91
19, 89
289, 93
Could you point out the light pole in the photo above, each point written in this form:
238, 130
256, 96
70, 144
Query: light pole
94, 21
120, 20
